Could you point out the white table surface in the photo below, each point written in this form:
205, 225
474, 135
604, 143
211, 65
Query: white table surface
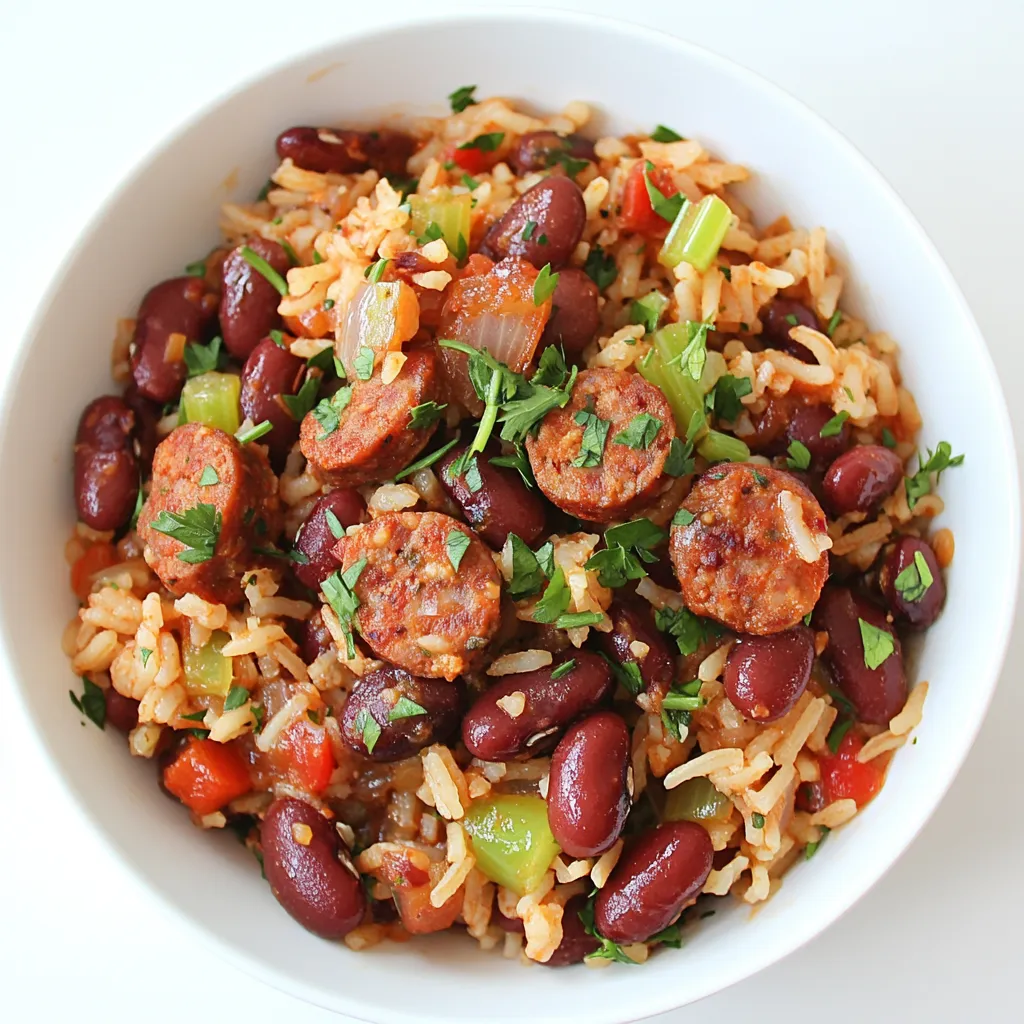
931, 91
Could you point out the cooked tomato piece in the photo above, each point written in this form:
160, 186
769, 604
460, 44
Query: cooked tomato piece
305, 756
206, 775
472, 161
637, 212
844, 777
96, 558
411, 886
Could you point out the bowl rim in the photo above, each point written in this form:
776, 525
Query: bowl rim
655, 1000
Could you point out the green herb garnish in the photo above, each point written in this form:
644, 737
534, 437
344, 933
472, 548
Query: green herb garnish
198, 529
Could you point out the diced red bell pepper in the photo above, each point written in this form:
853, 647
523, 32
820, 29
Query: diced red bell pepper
844, 777
206, 775
411, 886
472, 161
304, 753
637, 213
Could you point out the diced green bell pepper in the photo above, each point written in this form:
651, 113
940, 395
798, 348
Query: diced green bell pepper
696, 800
207, 671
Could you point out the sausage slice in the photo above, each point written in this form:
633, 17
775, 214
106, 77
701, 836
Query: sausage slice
627, 476
754, 557
416, 609
194, 465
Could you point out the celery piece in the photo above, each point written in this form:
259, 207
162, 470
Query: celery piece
449, 212
682, 391
511, 840
648, 310
207, 671
212, 398
696, 234
719, 447
696, 800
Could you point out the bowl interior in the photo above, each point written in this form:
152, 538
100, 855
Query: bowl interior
167, 214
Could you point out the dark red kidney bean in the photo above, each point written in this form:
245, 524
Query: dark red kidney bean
122, 712
765, 675
376, 697
805, 427
576, 943
877, 694
575, 316
248, 303
588, 788
502, 505
654, 879
181, 305
346, 151
555, 206
539, 150
919, 614
147, 415
270, 372
507, 924
491, 734
633, 620
778, 320
860, 479
315, 638
770, 429
106, 470
309, 881
316, 540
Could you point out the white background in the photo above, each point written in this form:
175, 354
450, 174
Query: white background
931, 92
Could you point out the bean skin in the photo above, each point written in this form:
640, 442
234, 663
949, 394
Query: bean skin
106, 470
588, 791
654, 879
316, 540
181, 305
147, 414
346, 151
122, 712
556, 208
248, 303
575, 316
576, 944
805, 427
776, 327
632, 621
765, 675
538, 151
502, 505
270, 372
876, 694
315, 638
862, 479
491, 734
377, 695
919, 614
309, 881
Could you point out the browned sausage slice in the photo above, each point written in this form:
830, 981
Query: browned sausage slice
244, 495
372, 439
416, 609
755, 555
627, 477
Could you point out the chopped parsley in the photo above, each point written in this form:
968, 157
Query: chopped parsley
799, 455
680, 459
878, 644
666, 207
488, 142
405, 708
255, 433
208, 477
564, 669
723, 400
833, 323
913, 582
551, 368
528, 575
202, 358
627, 546
545, 285
640, 433
277, 337
293, 256
261, 266
688, 630
432, 233
334, 524
339, 589
198, 529
683, 517
792, 320
145, 654
427, 460
600, 267
595, 435
518, 461
554, 601
462, 98
665, 134
363, 363
834, 425
471, 474
574, 620
92, 703
375, 271
840, 728
608, 950
647, 311
422, 417
677, 705
367, 727
470, 183
197, 269
888, 438
757, 820
920, 483
236, 697
812, 848
328, 410
457, 545
528, 229
299, 404
691, 360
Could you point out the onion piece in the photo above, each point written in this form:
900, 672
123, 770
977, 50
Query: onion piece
381, 316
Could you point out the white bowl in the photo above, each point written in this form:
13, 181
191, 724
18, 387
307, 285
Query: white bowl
166, 213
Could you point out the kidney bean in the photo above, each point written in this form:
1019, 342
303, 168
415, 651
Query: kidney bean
122, 712
805, 427
491, 734
654, 879
502, 505
248, 303
147, 415
315, 638
346, 150
632, 621
507, 924
770, 428
181, 305
923, 611
588, 791
765, 675
555, 207
877, 694
106, 470
777, 322
270, 372
378, 696
576, 943
539, 150
310, 881
575, 317
316, 540
862, 478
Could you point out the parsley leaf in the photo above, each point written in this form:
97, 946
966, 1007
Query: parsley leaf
545, 285
683, 517
812, 848
471, 474
209, 477
366, 725
486, 143
833, 323
640, 433
666, 207
627, 674
840, 728
595, 434
145, 653
202, 358
799, 455
677, 705
92, 703
197, 269
888, 438
639, 534
457, 545
462, 98
688, 630
405, 708
236, 697
432, 233
198, 529
363, 363
328, 410
564, 669
528, 229
573, 620
724, 398
339, 590
913, 582
254, 433
626, 545
608, 950
334, 524
648, 310
518, 461
920, 483
680, 458
551, 368
664, 134
600, 267
300, 403
554, 601
427, 460
375, 271
422, 417
878, 644
532, 402
691, 360
834, 425
528, 575
615, 566
757, 820
261, 266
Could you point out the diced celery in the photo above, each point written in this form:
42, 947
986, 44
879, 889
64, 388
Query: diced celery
207, 671
451, 214
719, 447
682, 391
696, 234
212, 398
696, 800
511, 840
